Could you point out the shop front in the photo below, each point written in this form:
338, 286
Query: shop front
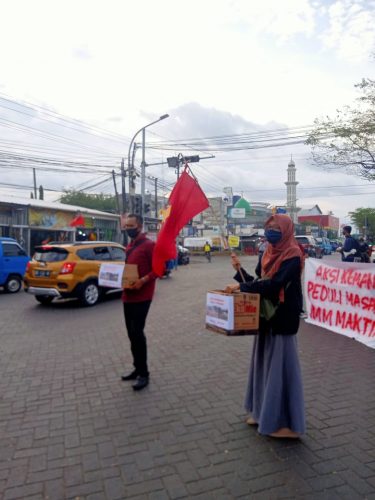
36, 222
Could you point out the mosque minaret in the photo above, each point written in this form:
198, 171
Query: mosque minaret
291, 191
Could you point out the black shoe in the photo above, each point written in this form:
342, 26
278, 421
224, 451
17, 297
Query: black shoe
141, 383
131, 376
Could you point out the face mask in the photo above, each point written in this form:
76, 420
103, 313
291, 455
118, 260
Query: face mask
132, 233
272, 236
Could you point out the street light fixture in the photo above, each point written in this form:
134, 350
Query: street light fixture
143, 164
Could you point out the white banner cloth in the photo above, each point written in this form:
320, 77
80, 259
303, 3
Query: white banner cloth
341, 297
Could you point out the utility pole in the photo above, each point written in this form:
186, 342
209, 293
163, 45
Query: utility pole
132, 177
34, 177
156, 197
123, 192
143, 170
143, 166
116, 193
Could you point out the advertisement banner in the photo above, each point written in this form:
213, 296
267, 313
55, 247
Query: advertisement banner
228, 196
341, 297
50, 219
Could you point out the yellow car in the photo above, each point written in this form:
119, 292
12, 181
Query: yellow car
59, 270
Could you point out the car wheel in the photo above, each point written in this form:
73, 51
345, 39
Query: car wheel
90, 294
43, 299
13, 284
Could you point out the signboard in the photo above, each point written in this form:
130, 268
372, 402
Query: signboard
341, 298
51, 219
238, 213
220, 311
110, 275
233, 241
228, 196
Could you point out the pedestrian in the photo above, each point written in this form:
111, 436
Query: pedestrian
137, 299
350, 251
274, 396
207, 251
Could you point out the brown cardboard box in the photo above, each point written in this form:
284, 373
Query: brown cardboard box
232, 313
130, 275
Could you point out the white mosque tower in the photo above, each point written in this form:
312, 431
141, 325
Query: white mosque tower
291, 191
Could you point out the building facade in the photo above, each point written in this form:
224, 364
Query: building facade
32, 222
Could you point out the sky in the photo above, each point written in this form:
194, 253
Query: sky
217, 68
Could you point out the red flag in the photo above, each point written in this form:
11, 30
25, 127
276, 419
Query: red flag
186, 200
77, 221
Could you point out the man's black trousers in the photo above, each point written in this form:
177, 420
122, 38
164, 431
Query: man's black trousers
135, 318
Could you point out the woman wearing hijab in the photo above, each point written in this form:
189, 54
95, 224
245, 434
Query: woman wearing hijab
274, 395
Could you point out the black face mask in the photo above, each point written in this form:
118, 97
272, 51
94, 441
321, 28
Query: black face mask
132, 233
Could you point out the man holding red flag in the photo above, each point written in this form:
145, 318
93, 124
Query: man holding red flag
185, 202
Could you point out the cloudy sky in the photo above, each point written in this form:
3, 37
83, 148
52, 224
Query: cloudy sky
218, 67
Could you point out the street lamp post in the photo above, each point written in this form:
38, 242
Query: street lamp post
143, 164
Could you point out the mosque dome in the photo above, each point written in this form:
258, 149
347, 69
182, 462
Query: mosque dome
242, 203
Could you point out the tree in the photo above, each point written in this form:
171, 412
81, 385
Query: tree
100, 201
348, 141
364, 219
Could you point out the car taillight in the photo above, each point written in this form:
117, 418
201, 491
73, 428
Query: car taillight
27, 266
68, 268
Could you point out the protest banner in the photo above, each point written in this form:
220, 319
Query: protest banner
341, 297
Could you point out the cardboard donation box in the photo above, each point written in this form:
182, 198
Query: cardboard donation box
130, 275
232, 313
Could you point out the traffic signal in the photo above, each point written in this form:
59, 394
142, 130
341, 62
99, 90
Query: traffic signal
173, 162
191, 159
147, 208
138, 204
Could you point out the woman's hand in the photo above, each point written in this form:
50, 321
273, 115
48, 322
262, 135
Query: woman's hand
235, 262
232, 288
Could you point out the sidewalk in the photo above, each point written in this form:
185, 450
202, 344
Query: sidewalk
71, 429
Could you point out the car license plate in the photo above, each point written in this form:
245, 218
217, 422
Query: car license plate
41, 273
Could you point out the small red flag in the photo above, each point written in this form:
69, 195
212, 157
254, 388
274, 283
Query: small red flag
185, 202
78, 220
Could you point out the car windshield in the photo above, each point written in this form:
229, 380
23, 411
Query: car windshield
302, 240
50, 254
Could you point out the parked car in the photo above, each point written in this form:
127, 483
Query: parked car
325, 244
183, 255
13, 262
310, 246
59, 270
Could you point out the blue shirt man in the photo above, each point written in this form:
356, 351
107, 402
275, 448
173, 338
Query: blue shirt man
351, 248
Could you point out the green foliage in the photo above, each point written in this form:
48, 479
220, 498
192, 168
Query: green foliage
100, 201
364, 218
347, 141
